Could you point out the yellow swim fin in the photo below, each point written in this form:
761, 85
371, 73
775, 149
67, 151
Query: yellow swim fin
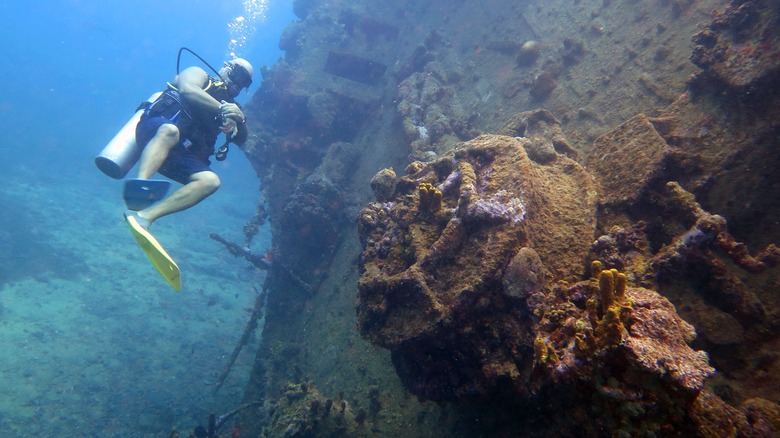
157, 255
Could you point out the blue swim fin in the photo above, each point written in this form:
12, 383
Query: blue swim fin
141, 193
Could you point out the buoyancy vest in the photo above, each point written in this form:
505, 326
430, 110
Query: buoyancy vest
198, 129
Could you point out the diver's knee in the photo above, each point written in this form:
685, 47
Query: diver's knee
210, 181
168, 133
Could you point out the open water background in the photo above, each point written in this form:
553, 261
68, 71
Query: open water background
94, 342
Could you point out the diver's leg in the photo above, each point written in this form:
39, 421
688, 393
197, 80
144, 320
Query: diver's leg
201, 185
156, 151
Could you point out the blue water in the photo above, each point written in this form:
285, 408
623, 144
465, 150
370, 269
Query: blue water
94, 342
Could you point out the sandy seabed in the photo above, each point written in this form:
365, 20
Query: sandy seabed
95, 343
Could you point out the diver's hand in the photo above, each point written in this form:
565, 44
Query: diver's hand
229, 127
231, 111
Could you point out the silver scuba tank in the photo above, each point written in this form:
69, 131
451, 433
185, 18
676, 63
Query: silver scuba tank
122, 152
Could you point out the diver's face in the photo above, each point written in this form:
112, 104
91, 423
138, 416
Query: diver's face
238, 78
233, 89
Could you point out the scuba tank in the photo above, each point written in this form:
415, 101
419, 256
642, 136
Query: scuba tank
122, 152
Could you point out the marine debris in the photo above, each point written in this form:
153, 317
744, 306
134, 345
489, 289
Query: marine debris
260, 261
251, 325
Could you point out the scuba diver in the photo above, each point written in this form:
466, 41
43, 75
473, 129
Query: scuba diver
174, 133
177, 133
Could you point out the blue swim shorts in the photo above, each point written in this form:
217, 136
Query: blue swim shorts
181, 164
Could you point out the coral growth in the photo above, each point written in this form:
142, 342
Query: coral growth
430, 199
311, 216
456, 331
434, 282
303, 411
602, 328
383, 184
528, 53
432, 117
737, 47
544, 132
609, 309
543, 84
543, 354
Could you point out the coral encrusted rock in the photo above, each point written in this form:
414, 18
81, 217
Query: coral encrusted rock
432, 289
303, 411
659, 342
737, 46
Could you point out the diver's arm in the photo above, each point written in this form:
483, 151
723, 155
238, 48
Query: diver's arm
235, 121
232, 111
190, 84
